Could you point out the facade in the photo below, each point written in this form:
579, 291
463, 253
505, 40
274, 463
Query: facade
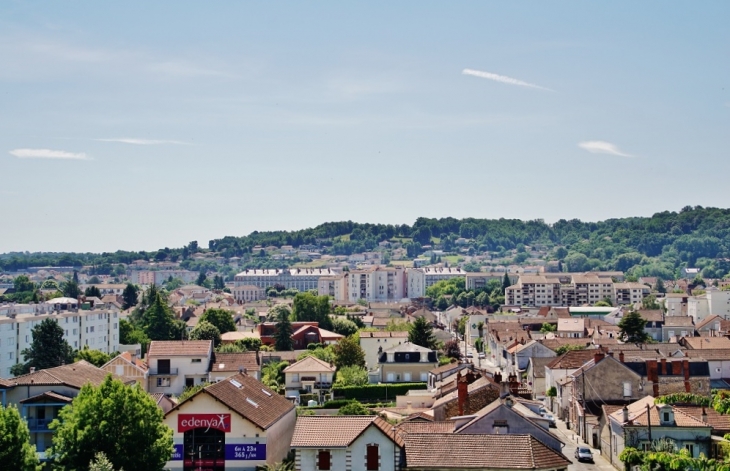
248, 293
554, 289
129, 366
376, 284
418, 279
177, 364
713, 302
225, 365
476, 281
629, 293
309, 374
342, 443
373, 344
96, 327
406, 363
302, 279
235, 424
158, 277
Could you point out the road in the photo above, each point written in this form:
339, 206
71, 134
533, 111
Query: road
567, 436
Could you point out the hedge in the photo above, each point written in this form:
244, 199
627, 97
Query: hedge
376, 391
337, 403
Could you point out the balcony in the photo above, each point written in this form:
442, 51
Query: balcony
163, 371
38, 425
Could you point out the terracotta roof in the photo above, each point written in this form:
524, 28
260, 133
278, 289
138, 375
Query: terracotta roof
481, 451
571, 360
54, 396
168, 348
420, 416
708, 353
248, 398
449, 367
554, 343
699, 343
638, 415
310, 363
720, 423
654, 315
336, 431
74, 375
417, 426
678, 321
709, 320
235, 362
137, 361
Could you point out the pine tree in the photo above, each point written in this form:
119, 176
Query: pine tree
47, 350
631, 328
421, 333
129, 296
506, 283
282, 338
158, 321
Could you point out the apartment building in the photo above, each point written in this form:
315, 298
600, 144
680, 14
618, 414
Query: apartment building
97, 328
377, 284
334, 287
577, 290
476, 281
158, 277
629, 293
248, 293
418, 279
302, 279
713, 302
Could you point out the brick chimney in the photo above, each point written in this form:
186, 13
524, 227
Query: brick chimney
652, 374
498, 377
462, 388
685, 369
621, 356
664, 366
677, 367
598, 356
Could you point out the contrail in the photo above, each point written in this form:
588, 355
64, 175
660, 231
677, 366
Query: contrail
503, 79
602, 147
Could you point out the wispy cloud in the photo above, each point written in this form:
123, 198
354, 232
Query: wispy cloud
602, 147
503, 79
143, 142
48, 154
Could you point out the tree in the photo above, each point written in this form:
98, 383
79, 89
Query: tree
442, 304
101, 463
631, 328
351, 376
344, 326
206, 331
122, 422
548, 328
282, 338
201, 279
421, 333
70, 289
129, 334
47, 350
129, 296
312, 308
92, 291
650, 302
452, 349
218, 282
16, 452
158, 321
354, 408
22, 283
349, 353
95, 357
568, 348
506, 283
221, 318
659, 286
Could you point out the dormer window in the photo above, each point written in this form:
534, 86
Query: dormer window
666, 415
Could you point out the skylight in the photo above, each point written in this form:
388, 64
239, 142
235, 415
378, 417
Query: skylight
236, 383
250, 401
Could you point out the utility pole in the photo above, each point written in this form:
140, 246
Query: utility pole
648, 422
585, 427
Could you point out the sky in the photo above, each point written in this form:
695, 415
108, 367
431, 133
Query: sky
141, 125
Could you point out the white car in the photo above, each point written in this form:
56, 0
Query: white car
482, 356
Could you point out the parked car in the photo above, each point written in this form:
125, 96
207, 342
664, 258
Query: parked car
584, 454
482, 355
550, 418
470, 355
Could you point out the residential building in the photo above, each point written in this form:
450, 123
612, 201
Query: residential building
248, 293
572, 327
536, 376
713, 302
335, 287
178, 364
629, 293
346, 443
641, 423
225, 365
676, 327
523, 352
465, 395
304, 333
406, 363
303, 279
235, 424
309, 374
485, 452
158, 277
418, 279
477, 281
373, 344
127, 365
376, 284
676, 304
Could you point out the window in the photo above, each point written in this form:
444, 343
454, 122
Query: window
691, 448
666, 417
295, 377
407, 377
372, 458
120, 370
10, 355
424, 377
196, 360
164, 383
323, 460
391, 377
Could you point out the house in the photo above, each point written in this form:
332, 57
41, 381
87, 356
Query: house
177, 364
522, 354
718, 362
237, 424
309, 374
673, 376
536, 376
470, 393
127, 364
346, 443
643, 422
164, 402
225, 365
303, 333
689, 273
676, 327
248, 293
712, 326
40, 394
572, 327
560, 368
485, 452
700, 343
439, 374
506, 416
406, 363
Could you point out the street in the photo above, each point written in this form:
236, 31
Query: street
567, 436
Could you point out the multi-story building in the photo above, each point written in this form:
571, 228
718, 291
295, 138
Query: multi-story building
574, 290
421, 278
377, 284
629, 293
96, 327
302, 279
713, 302
476, 281
334, 287
158, 277
178, 364
534, 290
248, 293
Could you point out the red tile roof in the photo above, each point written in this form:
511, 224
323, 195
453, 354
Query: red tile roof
169, 348
337, 431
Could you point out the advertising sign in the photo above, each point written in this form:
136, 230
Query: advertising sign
239, 451
177, 454
220, 422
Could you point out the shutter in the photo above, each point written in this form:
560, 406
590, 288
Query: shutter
373, 458
324, 460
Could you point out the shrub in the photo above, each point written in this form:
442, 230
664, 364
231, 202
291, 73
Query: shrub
376, 391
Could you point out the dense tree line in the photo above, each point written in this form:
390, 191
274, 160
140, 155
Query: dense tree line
646, 246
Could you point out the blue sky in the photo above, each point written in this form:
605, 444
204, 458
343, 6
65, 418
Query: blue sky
136, 125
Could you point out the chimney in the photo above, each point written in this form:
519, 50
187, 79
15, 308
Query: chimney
621, 356
462, 388
498, 377
625, 412
685, 368
32, 369
677, 367
704, 415
652, 374
664, 366
610, 353
598, 356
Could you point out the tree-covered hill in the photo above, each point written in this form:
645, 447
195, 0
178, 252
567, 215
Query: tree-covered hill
648, 246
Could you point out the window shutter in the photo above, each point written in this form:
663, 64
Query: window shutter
323, 460
373, 458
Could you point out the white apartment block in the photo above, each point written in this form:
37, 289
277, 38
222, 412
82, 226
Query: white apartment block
248, 293
334, 286
377, 284
418, 279
97, 327
158, 277
302, 279
713, 302
580, 290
